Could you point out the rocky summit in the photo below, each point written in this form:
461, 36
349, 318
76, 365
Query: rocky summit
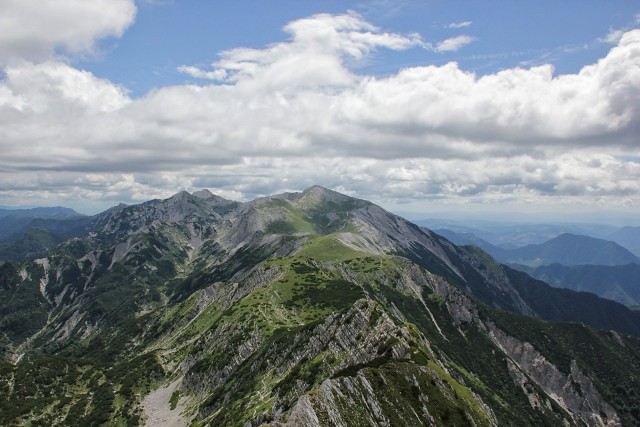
300, 309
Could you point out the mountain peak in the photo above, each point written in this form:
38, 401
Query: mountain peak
203, 194
317, 194
180, 195
318, 189
315, 188
212, 199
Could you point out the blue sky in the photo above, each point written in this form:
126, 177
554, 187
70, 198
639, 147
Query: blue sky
167, 34
485, 107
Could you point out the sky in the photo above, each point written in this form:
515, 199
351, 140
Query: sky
427, 107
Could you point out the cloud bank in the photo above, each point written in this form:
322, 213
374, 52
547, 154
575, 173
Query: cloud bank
298, 112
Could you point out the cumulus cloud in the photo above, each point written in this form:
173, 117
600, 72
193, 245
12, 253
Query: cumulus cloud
297, 113
315, 54
56, 87
36, 30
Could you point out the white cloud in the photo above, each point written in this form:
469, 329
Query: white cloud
613, 36
36, 30
57, 87
296, 113
202, 74
517, 107
460, 24
453, 44
315, 54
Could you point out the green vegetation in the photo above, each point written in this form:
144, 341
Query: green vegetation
173, 401
52, 390
34, 243
328, 248
23, 309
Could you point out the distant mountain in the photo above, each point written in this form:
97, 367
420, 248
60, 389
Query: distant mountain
566, 249
516, 235
42, 212
629, 237
570, 249
462, 239
620, 283
300, 309
15, 222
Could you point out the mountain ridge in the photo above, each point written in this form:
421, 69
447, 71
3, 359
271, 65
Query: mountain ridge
309, 308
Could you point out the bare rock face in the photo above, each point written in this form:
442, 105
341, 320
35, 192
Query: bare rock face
330, 401
380, 232
574, 391
303, 414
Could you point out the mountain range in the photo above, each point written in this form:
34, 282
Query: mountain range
573, 262
511, 235
15, 222
299, 309
566, 249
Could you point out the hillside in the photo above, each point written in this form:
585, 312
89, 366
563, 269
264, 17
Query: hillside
620, 283
300, 309
34, 243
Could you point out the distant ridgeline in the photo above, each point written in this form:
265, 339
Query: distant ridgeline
576, 262
299, 309
28, 233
